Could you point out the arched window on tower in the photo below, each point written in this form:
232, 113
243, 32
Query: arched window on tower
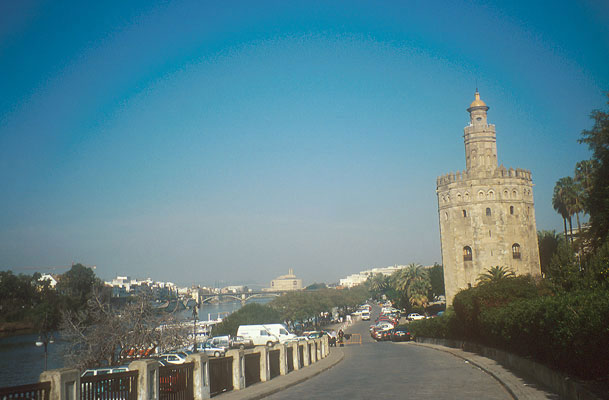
516, 251
488, 212
467, 253
464, 213
511, 210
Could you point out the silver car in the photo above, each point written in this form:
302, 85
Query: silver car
211, 350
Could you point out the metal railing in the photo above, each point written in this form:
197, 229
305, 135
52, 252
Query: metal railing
252, 368
220, 375
290, 355
120, 385
274, 363
300, 356
37, 391
353, 338
310, 354
176, 382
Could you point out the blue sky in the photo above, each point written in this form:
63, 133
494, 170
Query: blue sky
203, 142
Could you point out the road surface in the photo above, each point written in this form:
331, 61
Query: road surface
387, 370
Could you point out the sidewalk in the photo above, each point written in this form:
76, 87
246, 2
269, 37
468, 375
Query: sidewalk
518, 388
263, 389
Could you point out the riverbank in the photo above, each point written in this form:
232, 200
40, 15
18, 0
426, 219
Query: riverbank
8, 329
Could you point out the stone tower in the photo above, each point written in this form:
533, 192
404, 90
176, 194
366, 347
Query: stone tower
487, 216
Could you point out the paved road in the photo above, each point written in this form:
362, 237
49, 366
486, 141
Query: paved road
387, 370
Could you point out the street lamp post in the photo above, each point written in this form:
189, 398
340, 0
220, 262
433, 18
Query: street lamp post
195, 315
44, 339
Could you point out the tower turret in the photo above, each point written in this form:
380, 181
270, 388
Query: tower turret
480, 139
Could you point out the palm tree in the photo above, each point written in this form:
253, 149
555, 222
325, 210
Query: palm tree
563, 201
413, 283
417, 292
379, 283
584, 176
495, 274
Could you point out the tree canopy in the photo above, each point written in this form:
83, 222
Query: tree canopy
597, 139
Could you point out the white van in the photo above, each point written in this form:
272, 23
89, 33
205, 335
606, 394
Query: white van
366, 315
220, 341
267, 334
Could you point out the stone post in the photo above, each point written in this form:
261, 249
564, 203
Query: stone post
65, 383
326, 348
295, 355
283, 358
305, 354
200, 375
265, 373
147, 379
238, 368
319, 352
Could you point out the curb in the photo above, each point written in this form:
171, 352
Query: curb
546, 379
478, 365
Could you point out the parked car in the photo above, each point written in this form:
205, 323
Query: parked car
314, 335
239, 342
104, 371
414, 317
211, 350
400, 333
173, 358
220, 341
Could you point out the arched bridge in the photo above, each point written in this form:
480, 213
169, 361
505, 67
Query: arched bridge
243, 297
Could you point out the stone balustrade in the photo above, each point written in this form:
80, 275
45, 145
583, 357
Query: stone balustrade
65, 383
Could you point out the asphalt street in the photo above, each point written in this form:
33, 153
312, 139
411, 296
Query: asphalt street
387, 370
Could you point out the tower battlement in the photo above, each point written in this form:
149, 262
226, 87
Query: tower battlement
499, 172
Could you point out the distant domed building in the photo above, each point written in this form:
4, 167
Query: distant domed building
487, 215
286, 282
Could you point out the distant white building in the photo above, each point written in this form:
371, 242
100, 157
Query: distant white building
48, 277
233, 289
361, 277
286, 282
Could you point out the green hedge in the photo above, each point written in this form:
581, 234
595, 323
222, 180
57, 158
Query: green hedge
568, 331
445, 327
468, 304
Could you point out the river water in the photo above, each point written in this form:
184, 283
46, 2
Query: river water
21, 362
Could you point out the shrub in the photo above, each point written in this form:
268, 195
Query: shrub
469, 303
568, 331
446, 326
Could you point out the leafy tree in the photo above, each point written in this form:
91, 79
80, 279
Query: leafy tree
495, 274
78, 284
305, 305
548, 245
597, 140
18, 296
563, 272
436, 280
316, 286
